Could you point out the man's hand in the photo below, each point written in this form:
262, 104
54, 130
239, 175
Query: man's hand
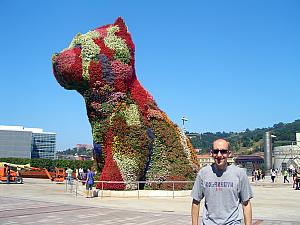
195, 212
247, 210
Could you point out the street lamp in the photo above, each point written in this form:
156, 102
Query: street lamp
184, 119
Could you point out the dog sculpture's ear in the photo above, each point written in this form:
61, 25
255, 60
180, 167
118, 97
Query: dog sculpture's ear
120, 22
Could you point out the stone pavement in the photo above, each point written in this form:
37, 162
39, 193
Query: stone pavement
42, 202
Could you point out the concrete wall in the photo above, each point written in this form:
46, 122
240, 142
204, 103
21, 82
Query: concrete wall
15, 144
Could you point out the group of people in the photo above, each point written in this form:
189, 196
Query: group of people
258, 174
294, 173
87, 178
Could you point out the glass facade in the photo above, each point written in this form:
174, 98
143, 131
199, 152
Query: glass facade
43, 145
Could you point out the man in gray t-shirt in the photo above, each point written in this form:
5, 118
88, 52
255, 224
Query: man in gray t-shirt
226, 190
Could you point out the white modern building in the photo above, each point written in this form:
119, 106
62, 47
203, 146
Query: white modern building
287, 156
22, 142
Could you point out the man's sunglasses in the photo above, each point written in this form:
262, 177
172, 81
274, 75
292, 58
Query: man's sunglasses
222, 151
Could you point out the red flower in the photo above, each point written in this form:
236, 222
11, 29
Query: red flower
95, 73
110, 170
103, 49
69, 65
142, 97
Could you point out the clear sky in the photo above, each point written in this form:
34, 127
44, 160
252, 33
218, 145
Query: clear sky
225, 65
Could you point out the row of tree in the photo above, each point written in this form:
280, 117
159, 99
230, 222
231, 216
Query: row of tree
50, 164
248, 141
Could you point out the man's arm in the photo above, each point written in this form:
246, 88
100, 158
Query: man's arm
247, 210
195, 212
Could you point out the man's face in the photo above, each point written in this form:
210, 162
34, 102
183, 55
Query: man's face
220, 153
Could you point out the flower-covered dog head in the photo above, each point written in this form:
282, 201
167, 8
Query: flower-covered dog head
102, 58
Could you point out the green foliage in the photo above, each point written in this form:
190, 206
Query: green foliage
50, 164
42, 163
79, 151
20, 161
249, 139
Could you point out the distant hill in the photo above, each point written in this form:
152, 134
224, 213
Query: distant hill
248, 141
78, 151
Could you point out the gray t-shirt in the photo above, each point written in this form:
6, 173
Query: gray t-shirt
223, 192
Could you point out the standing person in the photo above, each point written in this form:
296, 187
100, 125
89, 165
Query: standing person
253, 175
273, 175
7, 173
298, 180
295, 178
224, 188
263, 174
69, 172
76, 174
89, 183
258, 174
80, 173
285, 175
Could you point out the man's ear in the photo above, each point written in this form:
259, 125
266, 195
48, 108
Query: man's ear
211, 153
229, 154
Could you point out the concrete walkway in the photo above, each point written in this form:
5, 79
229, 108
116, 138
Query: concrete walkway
42, 202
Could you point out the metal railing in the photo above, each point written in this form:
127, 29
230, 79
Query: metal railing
75, 182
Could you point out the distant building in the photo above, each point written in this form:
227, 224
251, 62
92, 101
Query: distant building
86, 146
21, 142
287, 156
207, 159
204, 160
249, 162
82, 157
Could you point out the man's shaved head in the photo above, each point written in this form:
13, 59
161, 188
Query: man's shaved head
221, 144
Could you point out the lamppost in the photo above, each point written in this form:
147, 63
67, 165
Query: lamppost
184, 119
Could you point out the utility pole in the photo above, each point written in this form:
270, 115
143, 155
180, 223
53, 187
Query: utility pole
184, 119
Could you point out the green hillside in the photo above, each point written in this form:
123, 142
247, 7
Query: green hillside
248, 141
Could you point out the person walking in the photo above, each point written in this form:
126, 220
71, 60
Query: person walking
224, 187
285, 175
263, 174
297, 180
80, 173
273, 175
69, 172
89, 183
7, 173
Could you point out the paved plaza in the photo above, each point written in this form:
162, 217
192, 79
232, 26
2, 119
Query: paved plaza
41, 202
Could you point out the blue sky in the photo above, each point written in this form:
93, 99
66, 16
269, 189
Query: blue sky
225, 65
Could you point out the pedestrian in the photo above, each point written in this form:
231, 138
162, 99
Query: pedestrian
290, 172
298, 180
80, 173
273, 175
295, 178
258, 174
253, 175
89, 183
224, 187
263, 174
285, 175
7, 173
69, 172
76, 174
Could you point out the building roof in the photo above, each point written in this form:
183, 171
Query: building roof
249, 158
21, 128
203, 156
